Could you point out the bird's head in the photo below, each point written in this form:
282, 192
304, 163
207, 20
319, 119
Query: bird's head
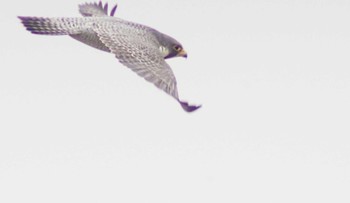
171, 48
177, 51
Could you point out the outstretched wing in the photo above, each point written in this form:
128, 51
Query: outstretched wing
96, 9
138, 50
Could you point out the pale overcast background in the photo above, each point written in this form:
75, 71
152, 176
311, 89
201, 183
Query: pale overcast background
273, 77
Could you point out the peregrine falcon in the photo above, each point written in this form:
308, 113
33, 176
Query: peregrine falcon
139, 47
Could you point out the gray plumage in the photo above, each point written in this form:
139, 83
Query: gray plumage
139, 47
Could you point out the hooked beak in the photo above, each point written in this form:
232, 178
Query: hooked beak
182, 53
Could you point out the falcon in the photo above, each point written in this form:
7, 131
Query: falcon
139, 47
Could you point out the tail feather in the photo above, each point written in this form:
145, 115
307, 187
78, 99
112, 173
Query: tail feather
51, 26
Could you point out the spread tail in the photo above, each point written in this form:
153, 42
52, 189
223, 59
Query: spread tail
52, 26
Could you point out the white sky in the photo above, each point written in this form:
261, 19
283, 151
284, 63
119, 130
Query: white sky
273, 77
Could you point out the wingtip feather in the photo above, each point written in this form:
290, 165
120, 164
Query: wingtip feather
105, 8
113, 10
89, 9
189, 108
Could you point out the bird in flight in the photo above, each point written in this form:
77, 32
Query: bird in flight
139, 47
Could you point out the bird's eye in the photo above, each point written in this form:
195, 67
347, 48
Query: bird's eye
177, 48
